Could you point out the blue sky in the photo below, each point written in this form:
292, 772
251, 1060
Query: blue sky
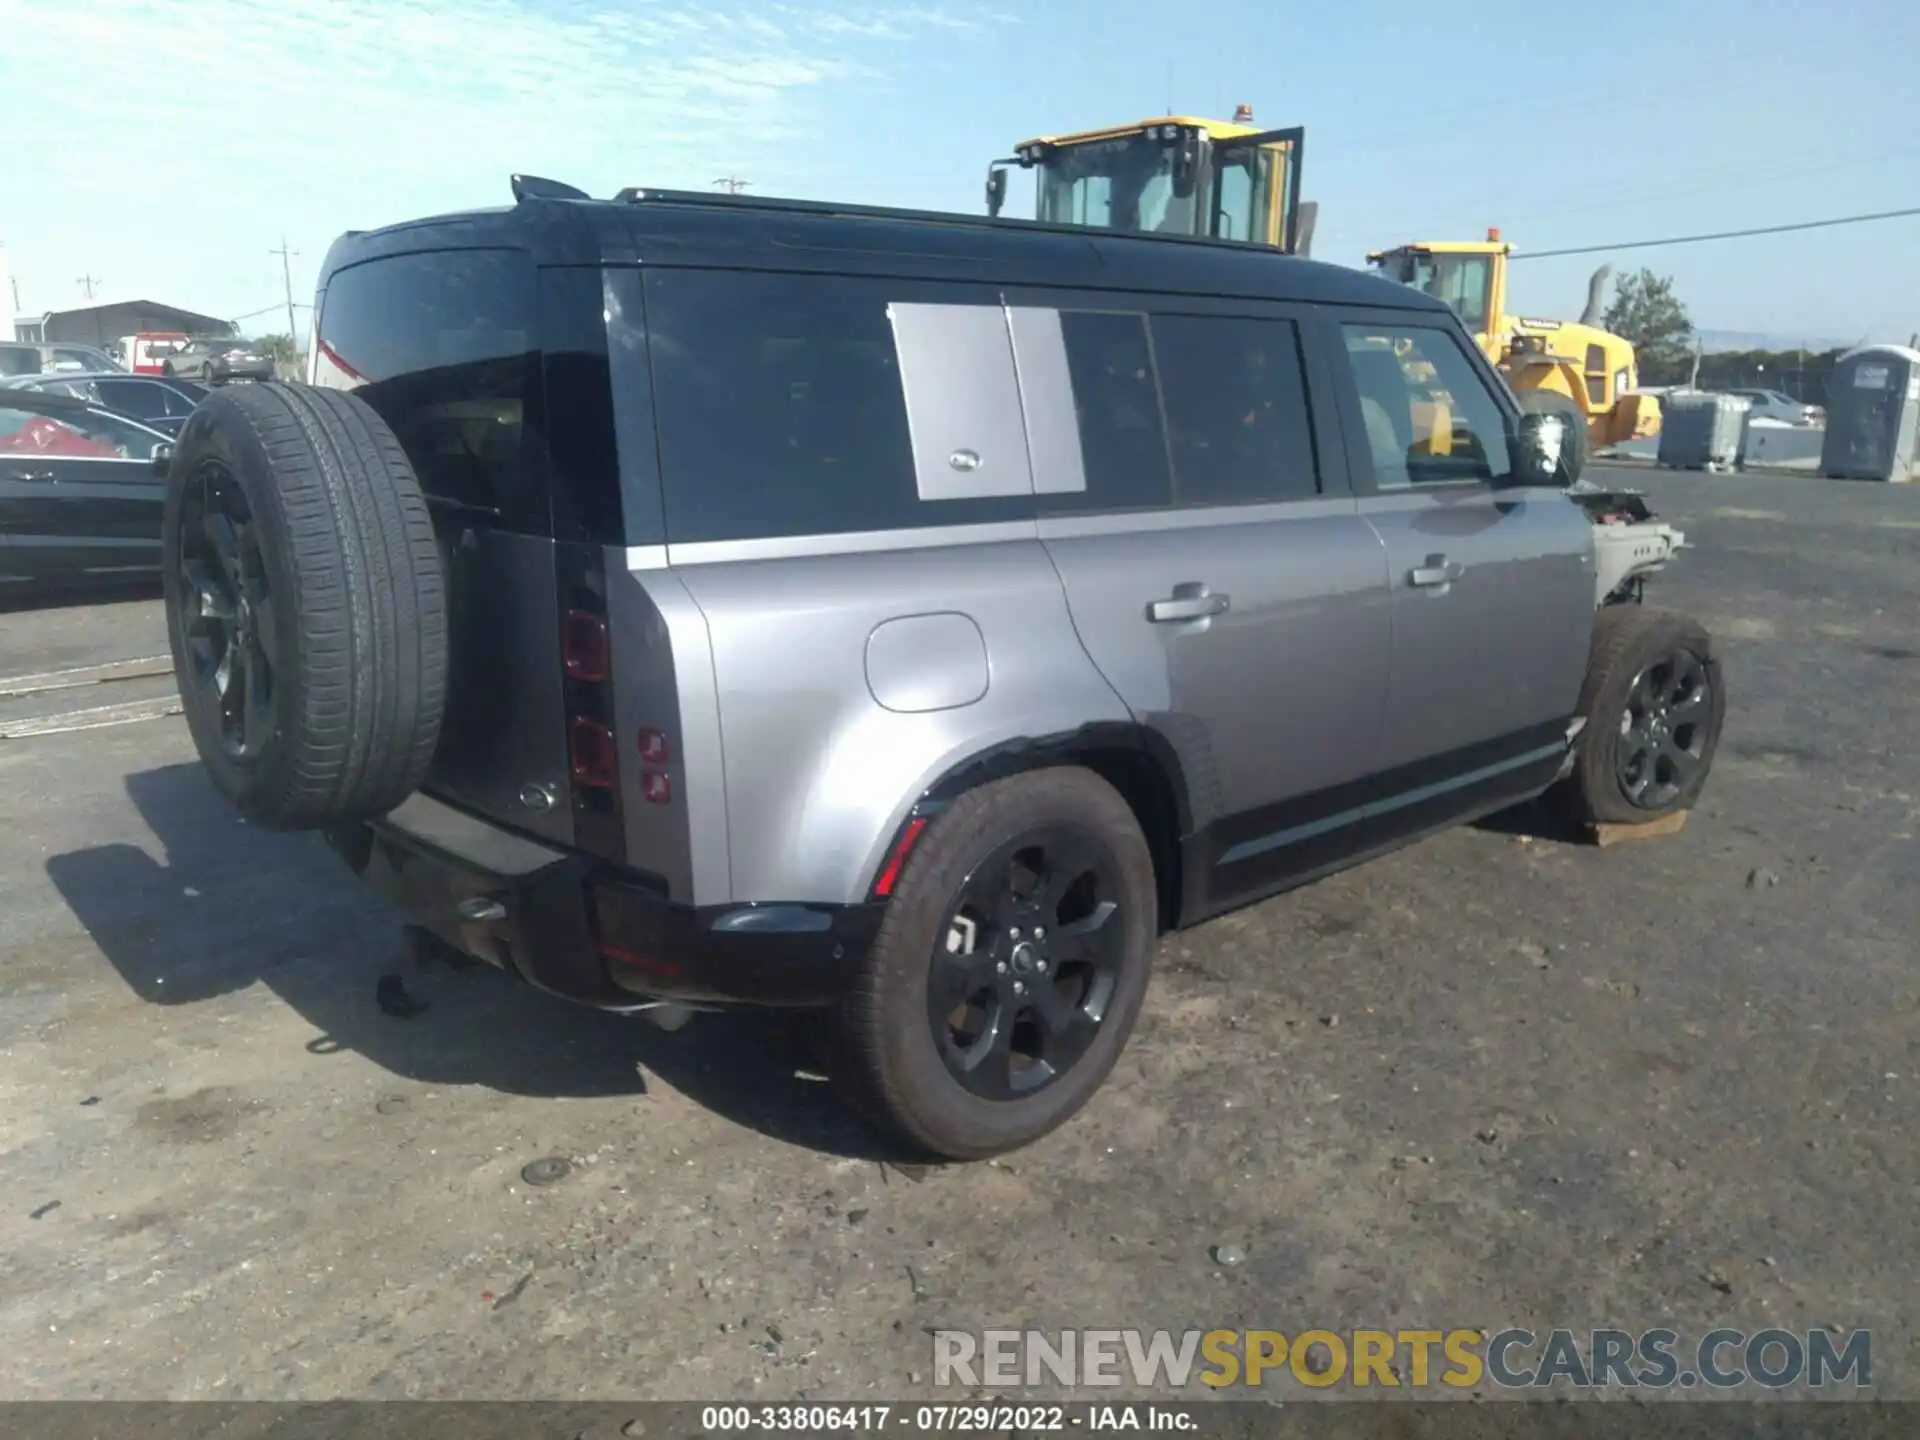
166, 145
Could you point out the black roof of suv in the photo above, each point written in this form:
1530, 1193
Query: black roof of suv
722, 231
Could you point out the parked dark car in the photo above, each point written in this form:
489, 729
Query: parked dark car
80, 499
31, 357
215, 359
162, 404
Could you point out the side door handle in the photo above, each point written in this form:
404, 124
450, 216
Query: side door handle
1189, 601
1437, 571
32, 477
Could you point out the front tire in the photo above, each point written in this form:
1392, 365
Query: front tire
1009, 970
1654, 705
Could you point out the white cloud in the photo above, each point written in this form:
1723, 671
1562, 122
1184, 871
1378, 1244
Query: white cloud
156, 129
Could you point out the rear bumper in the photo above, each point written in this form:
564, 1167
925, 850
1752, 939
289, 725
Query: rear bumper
224, 371
590, 932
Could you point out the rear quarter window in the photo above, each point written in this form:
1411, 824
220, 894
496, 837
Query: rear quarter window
782, 408
443, 345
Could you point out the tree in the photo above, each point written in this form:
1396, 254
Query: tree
1646, 312
281, 350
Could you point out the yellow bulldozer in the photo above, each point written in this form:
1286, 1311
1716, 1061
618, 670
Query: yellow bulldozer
1185, 175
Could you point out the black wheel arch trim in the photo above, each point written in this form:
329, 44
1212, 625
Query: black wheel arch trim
1086, 745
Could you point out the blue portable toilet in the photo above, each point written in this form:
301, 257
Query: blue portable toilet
1873, 415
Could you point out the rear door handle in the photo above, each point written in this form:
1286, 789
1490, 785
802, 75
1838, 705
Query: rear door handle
33, 477
1437, 571
1188, 602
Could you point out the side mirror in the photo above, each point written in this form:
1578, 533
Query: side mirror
160, 459
996, 189
1545, 451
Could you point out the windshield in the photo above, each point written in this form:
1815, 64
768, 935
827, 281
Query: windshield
1123, 184
1459, 280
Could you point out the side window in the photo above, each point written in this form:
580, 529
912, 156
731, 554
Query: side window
1429, 417
1236, 407
85, 436
443, 345
782, 407
143, 402
1123, 443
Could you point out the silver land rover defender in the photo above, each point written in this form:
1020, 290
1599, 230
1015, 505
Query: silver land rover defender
687, 600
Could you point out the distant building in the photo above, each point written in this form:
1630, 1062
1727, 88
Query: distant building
104, 322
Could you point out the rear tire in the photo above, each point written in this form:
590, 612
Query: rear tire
305, 605
1654, 705
961, 1093
1573, 456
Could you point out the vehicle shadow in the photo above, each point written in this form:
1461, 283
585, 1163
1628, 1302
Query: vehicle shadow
1542, 818
231, 905
78, 597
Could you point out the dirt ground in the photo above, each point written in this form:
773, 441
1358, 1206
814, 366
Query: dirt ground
1491, 1080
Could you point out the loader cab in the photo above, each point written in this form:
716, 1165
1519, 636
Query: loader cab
1176, 175
1469, 276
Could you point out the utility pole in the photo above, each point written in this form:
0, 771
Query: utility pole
87, 282
732, 184
286, 273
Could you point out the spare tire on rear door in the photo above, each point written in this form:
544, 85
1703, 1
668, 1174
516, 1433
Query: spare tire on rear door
305, 605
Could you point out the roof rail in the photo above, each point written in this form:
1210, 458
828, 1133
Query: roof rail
637, 194
535, 187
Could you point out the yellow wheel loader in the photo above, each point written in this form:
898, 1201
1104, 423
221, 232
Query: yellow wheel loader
1175, 175
1575, 369
1185, 175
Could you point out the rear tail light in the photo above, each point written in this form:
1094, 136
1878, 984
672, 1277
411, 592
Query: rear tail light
897, 859
656, 787
653, 747
584, 646
594, 754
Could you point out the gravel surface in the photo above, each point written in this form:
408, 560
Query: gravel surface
1494, 1079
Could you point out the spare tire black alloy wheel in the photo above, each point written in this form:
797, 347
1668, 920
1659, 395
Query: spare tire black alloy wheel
306, 605
1027, 965
225, 609
1663, 730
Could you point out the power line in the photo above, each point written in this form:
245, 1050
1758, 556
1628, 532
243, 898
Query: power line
1718, 235
267, 310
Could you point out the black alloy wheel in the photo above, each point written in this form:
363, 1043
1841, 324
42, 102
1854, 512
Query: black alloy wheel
1663, 730
1654, 700
1026, 966
226, 609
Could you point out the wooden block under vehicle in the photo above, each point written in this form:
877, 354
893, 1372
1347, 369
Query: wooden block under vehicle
1604, 834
